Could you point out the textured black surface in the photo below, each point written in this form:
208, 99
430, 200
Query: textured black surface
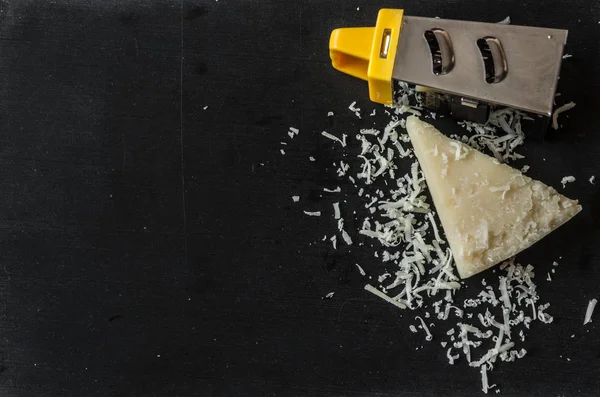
144, 249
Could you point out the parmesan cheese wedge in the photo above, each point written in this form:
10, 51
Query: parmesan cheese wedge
489, 211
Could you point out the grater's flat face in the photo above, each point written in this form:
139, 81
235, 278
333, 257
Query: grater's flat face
509, 65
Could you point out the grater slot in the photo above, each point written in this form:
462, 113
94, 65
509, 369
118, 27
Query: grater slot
494, 59
440, 47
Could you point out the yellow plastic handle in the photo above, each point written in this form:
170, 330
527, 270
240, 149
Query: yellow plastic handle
350, 50
369, 53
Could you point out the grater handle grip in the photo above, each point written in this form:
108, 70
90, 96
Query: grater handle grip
369, 53
350, 50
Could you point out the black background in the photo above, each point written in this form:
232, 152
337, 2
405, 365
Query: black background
144, 249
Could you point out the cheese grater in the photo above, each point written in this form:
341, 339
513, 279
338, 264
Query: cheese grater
459, 66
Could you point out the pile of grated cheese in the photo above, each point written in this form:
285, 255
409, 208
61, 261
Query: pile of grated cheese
481, 329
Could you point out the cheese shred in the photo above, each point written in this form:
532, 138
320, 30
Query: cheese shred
558, 111
428, 336
313, 213
383, 296
334, 138
590, 311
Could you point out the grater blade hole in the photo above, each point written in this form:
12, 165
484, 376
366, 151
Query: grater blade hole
442, 53
494, 59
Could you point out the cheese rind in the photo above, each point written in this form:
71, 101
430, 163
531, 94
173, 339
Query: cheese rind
489, 211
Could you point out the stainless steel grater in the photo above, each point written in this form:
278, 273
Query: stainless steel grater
462, 65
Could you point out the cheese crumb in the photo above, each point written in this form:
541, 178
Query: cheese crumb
567, 179
296, 198
592, 179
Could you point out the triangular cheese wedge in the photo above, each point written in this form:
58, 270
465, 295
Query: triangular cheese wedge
489, 211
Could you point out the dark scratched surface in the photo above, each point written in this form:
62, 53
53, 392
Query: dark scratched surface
145, 251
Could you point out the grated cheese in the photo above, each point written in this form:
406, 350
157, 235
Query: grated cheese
435, 229
296, 198
383, 296
484, 379
558, 111
567, 179
341, 224
334, 138
354, 109
419, 269
313, 213
450, 357
336, 210
592, 179
428, 336
590, 311
369, 131
336, 190
343, 168
360, 269
346, 237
